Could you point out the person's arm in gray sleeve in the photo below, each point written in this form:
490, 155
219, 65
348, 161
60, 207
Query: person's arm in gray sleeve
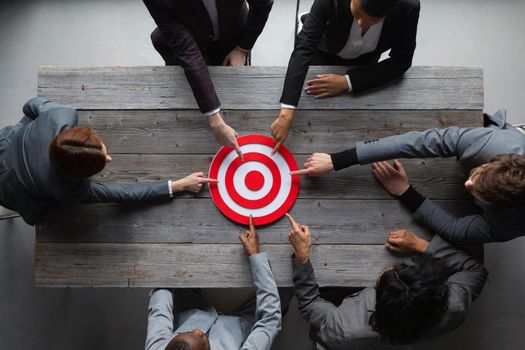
415, 144
160, 320
268, 312
37, 105
313, 308
469, 274
115, 192
471, 229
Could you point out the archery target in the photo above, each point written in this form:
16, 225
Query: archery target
260, 185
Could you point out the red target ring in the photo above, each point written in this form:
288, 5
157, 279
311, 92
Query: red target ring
260, 185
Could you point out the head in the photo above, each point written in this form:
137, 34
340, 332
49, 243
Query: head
78, 153
500, 182
411, 298
194, 340
370, 12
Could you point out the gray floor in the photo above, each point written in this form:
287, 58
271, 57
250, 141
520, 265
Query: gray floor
116, 32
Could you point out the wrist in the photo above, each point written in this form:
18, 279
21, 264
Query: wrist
421, 246
215, 120
176, 186
286, 113
302, 257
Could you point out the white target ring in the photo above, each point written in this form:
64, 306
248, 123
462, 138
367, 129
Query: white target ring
260, 186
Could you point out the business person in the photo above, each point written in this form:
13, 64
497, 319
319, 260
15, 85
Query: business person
184, 319
493, 158
350, 33
46, 158
197, 33
411, 302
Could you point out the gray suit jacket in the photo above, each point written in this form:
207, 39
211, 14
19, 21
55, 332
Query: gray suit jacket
29, 183
472, 147
347, 326
224, 332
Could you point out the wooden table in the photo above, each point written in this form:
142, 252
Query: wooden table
148, 118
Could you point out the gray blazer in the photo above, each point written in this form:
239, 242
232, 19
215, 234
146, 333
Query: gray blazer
472, 147
347, 326
167, 317
29, 183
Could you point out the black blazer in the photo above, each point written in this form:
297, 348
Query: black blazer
187, 29
332, 20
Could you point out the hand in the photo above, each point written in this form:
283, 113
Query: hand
393, 178
317, 164
225, 134
403, 241
192, 183
236, 58
300, 239
250, 240
281, 127
325, 85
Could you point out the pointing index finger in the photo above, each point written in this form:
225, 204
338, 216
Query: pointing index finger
252, 226
300, 172
294, 224
208, 179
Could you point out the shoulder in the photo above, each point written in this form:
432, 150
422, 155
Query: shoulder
407, 7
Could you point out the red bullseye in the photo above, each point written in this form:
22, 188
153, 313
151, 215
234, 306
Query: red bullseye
260, 175
254, 180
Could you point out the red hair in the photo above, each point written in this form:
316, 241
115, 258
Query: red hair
77, 152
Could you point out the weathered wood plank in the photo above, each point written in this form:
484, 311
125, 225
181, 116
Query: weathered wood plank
436, 178
198, 221
312, 131
155, 87
187, 265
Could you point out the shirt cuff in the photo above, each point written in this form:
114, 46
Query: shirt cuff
170, 189
210, 113
348, 82
412, 199
284, 105
242, 50
344, 159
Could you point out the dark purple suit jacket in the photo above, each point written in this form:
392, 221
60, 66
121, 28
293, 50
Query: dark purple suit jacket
187, 31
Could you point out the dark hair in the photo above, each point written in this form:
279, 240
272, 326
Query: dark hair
378, 8
501, 181
77, 152
411, 298
178, 345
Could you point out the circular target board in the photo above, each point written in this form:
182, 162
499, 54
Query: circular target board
260, 185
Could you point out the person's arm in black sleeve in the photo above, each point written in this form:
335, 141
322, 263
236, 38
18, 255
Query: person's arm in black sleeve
368, 77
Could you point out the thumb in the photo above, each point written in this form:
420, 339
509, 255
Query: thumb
399, 166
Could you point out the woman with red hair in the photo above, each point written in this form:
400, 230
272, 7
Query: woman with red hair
45, 158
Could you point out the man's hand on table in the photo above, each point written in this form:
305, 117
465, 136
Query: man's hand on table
225, 134
403, 241
236, 57
326, 85
300, 239
250, 239
317, 164
192, 183
393, 178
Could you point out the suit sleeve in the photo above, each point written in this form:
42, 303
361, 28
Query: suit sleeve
187, 54
471, 229
365, 78
305, 47
313, 308
469, 274
258, 13
113, 192
268, 312
445, 142
38, 105
160, 320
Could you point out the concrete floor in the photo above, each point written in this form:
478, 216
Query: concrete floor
116, 32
